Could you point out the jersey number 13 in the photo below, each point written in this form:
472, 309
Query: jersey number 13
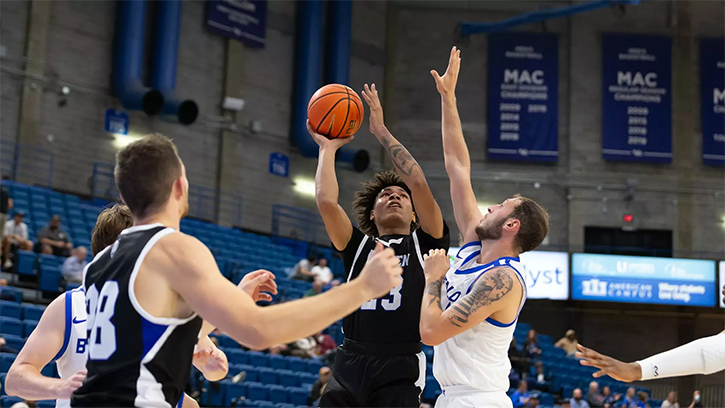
389, 302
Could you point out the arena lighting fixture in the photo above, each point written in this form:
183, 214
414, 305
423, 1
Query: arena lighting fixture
304, 186
120, 141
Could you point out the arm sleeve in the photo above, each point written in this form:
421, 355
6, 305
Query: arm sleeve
703, 356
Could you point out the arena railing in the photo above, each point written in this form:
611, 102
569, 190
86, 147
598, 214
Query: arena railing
26, 164
298, 223
205, 203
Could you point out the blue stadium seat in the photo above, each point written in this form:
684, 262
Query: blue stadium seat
12, 291
45, 404
277, 393
277, 361
2, 384
252, 372
50, 260
313, 366
237, 356
306, 377
296, 364
28, 327
288, 378
233, 393
297, 395
32, 312
6, 360
26, 261
14, 342
285, 405
216, 392
9, 309
49, 278
265, 404
7, 402
226, 341
258, 359
10, 325
268, 375
256, 391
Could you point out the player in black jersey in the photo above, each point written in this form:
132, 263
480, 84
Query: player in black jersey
143, 293
380, 362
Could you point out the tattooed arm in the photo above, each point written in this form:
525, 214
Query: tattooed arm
426, 208
497, 290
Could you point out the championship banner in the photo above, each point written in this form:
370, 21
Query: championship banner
523, 97
637, 98
712, 80
242, 20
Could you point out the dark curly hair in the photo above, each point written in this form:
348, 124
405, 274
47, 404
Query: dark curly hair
364, 201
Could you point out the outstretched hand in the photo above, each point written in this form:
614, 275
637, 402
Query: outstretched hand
616, 369
446, 84
259, 284
370, 94
326, 143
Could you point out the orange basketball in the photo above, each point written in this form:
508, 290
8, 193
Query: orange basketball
335, 111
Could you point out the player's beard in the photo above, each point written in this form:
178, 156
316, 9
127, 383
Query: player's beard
492, 232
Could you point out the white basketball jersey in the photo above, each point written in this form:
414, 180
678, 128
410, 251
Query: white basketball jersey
476, 359
72, 356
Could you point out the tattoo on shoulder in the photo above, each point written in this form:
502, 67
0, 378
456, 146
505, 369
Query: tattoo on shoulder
434, 289
492, 287
402, 159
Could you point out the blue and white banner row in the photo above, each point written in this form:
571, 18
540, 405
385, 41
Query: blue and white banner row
242, 20
637, 98
712, 80
633, 279
523, 101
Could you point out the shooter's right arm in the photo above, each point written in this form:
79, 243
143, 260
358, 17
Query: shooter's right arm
455, 152
217, 300
327, 192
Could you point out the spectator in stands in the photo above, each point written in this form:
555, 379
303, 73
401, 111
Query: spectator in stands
568, 343
315, 290
534, 400
576, 400
541, 380
319, 386
609, 399
4, 347
73, 266
630, 400
594, 399
280, 349
6, 203
15, 237
519, 361
520, 397
303, 269
322, 272
531, 345
53, 239
671, 401
304, 347
642, 400
696, 400
325, 344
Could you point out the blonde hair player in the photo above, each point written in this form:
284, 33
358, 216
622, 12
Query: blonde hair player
469, 310
61, 336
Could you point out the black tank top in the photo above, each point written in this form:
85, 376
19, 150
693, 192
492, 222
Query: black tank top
393, 318
134, 359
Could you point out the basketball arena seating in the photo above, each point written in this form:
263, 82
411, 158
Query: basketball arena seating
271, 380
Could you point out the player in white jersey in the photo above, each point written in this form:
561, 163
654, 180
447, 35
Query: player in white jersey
469, 311
61, 336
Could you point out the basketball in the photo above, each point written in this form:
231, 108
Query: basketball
335, 111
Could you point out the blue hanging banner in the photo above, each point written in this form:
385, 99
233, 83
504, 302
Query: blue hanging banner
116, 122
523, 97
637, 98
712, 79
279, 164
242, 20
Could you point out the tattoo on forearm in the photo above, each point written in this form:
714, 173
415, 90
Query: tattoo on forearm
434, 289
494, 285
402, 159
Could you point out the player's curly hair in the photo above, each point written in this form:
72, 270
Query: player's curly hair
364, 201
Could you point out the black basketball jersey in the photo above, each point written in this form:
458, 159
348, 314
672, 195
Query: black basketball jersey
134, 359
393, 318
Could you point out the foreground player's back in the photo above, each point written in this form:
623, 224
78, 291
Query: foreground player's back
139, 359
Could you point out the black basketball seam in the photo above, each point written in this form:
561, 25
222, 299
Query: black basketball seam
317, 129
347, 115
320, 97
358, 110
